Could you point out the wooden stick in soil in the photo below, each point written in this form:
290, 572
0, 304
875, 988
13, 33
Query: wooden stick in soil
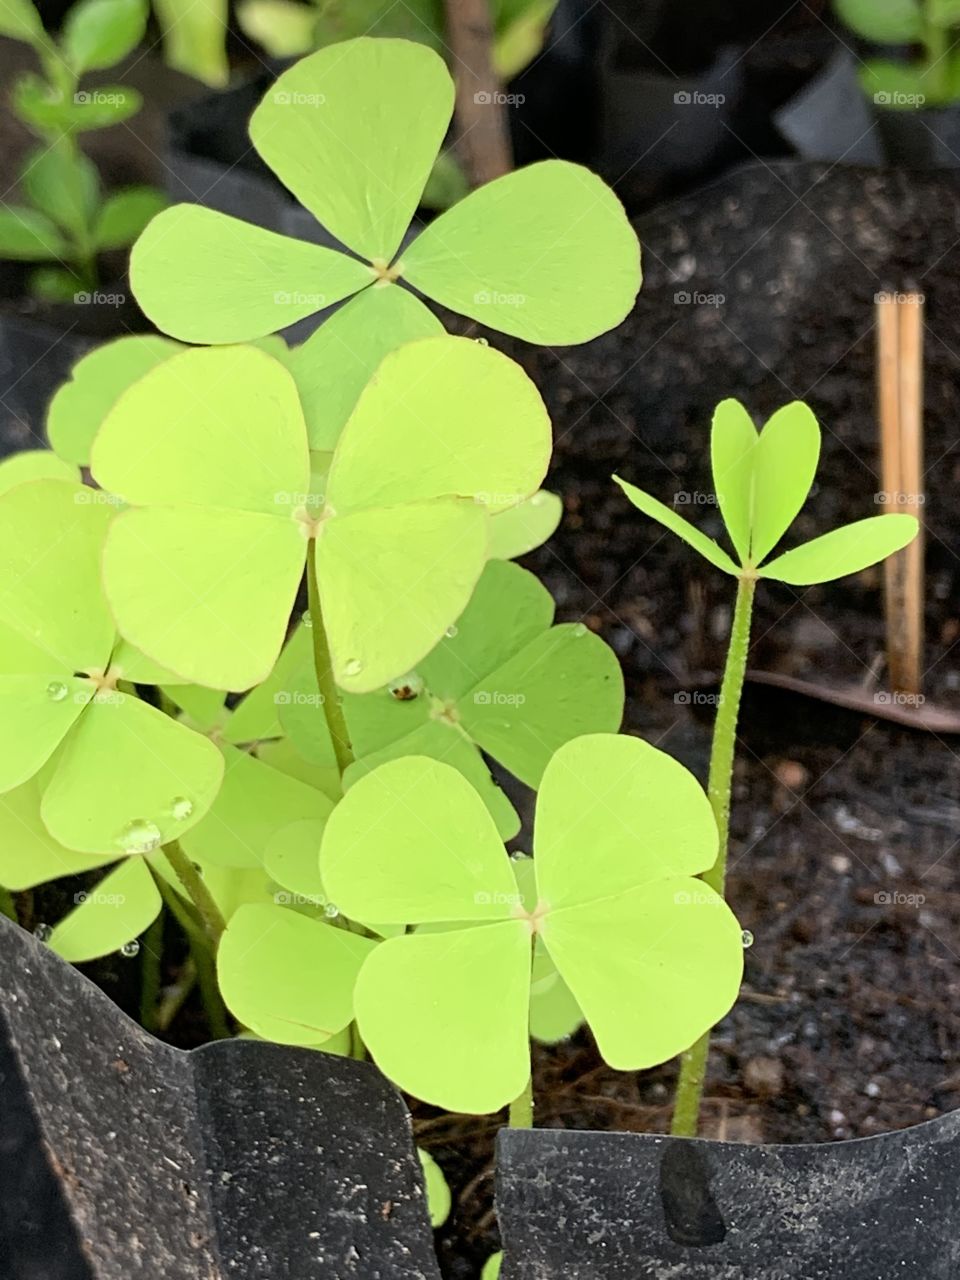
900, 409
483, 134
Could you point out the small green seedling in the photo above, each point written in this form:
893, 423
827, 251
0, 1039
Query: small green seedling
651, 957
762, 479
67, 220
933, 78
211, 450
545, 253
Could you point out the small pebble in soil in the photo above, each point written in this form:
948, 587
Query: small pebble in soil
872, 1089
764, 1077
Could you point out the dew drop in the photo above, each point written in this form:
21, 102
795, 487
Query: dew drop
57, 691
306, 619
746, 938
42, 932
352, 667
331, 910
140, 836
130, 949
181, 808
484, 342
538, 498
451, 632
580, 629
406, 688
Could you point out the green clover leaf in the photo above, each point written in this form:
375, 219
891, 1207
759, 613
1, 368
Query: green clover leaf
762, 480
120, 775
526, 526
210, 449
35, 464
545, 253
651, 956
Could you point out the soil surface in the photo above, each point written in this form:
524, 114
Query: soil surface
844, 833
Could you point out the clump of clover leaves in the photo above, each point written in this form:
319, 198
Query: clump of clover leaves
931, 79
650, 957
67, 220
545, 253
762, 479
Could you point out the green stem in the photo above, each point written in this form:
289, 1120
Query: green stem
332, 708
8, 907
151, 956
936, 43
200, 895
202, 955
176, 996
693, 1063
521, 1109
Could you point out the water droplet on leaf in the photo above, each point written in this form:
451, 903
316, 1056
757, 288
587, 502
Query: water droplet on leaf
57, 691
580, 629
484, 342
406, 688
130, 949
42, 932
306, 619
181, 808
451, 632
331, 911
140, 836
352, 667
746, 938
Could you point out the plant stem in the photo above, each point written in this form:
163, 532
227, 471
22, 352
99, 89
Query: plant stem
693, 1063
176, 996
151, 956
202, 956
8, 907
521, 1109
200, 895
332, 708
936, 42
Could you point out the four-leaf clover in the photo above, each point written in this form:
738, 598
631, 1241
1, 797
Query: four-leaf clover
545, 253
651, 955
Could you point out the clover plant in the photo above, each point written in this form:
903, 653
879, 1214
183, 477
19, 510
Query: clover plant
762, 479
545, 253
932, 26
67, 220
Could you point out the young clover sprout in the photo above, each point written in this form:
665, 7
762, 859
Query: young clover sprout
545, 253
85, 764
652, 958
210, 449
503, 681
67, 220
762, 480
932, 25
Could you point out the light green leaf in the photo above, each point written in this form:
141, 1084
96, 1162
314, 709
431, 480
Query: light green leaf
526, 526
784, 465
943, 13
545, 253
20, 20
292, 858
205, 709
413, 843
604, 794
463, 1051
257, 716
48, 110
843, 551
63, 184
334, 365
282, 754
29, 236
491, 1268
283, 28
35, 464
287, 977
439, 1201
358, 164
652, 968
733, 445
120, 907
682, 528
98, 33
520, 36
80, 405
129, 778
494, 446
554, 1012
125, 214
51, 536
883, 21
29, 855
195, 38
235, 281
38, 711
392, 580
254, 803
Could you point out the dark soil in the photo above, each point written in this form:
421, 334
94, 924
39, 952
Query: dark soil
843, 861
